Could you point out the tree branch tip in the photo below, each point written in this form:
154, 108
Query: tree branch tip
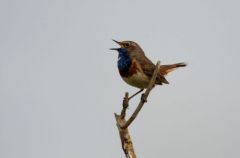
116, 115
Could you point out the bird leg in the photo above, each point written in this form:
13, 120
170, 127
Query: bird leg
135, 94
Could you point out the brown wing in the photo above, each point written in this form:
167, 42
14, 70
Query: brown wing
148, 68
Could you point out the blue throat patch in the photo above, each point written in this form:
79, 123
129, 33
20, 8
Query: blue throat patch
124, 61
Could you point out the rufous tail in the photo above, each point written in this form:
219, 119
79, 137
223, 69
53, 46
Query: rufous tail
165, 69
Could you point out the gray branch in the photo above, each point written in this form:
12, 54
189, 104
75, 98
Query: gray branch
123, 125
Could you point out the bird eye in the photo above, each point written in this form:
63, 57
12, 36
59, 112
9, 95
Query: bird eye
127, 44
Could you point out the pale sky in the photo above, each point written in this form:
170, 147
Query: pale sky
59, 83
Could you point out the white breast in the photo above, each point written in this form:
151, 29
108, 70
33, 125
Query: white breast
139, 80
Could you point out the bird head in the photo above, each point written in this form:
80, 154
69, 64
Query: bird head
128, 46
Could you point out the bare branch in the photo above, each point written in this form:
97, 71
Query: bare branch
144, 96
125, 105
122, 124
125, 137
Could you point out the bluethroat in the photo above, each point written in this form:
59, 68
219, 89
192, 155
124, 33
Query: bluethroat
136, 69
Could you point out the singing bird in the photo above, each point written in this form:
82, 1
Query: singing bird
136, 69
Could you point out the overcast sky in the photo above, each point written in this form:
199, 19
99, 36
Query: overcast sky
59, 83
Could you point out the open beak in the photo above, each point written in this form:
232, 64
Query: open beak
119, 43
114, 48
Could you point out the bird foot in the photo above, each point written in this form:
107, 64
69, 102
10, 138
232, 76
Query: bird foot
143, 98
125, 102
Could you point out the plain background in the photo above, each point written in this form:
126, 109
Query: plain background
59, 83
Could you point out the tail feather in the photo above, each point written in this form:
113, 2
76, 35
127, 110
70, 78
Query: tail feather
165, 69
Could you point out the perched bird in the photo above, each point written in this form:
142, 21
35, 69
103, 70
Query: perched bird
136, 69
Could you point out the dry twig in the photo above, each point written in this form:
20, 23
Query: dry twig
123, 125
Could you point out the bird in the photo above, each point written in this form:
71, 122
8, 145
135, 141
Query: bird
136, 69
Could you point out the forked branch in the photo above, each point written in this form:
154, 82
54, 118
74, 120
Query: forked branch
123, 125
